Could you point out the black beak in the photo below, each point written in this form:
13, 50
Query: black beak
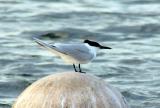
105, 47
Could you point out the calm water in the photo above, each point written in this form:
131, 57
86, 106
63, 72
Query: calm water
130, 27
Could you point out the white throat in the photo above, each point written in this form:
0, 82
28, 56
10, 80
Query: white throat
92, 49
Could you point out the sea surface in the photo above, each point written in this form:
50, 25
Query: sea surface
130, 27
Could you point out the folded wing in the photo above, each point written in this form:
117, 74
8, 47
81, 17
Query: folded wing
78, 51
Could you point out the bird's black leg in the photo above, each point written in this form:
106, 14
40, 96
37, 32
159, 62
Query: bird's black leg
79, 68
74, 68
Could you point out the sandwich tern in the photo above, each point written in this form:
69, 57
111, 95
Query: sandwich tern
74, 53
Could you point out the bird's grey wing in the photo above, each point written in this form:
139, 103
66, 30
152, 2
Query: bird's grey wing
72, 48
78, 51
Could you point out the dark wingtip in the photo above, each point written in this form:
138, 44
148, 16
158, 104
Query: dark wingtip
38, 41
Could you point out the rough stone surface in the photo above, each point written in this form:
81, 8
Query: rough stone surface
70, 90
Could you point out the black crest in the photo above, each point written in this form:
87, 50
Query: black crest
95, 44
92, 43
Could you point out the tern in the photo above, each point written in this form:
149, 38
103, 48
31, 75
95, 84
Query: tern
74, 53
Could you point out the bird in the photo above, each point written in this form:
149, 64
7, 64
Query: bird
74, 53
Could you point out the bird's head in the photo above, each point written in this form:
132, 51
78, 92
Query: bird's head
95, 44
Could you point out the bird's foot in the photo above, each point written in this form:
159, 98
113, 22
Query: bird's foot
81, 72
